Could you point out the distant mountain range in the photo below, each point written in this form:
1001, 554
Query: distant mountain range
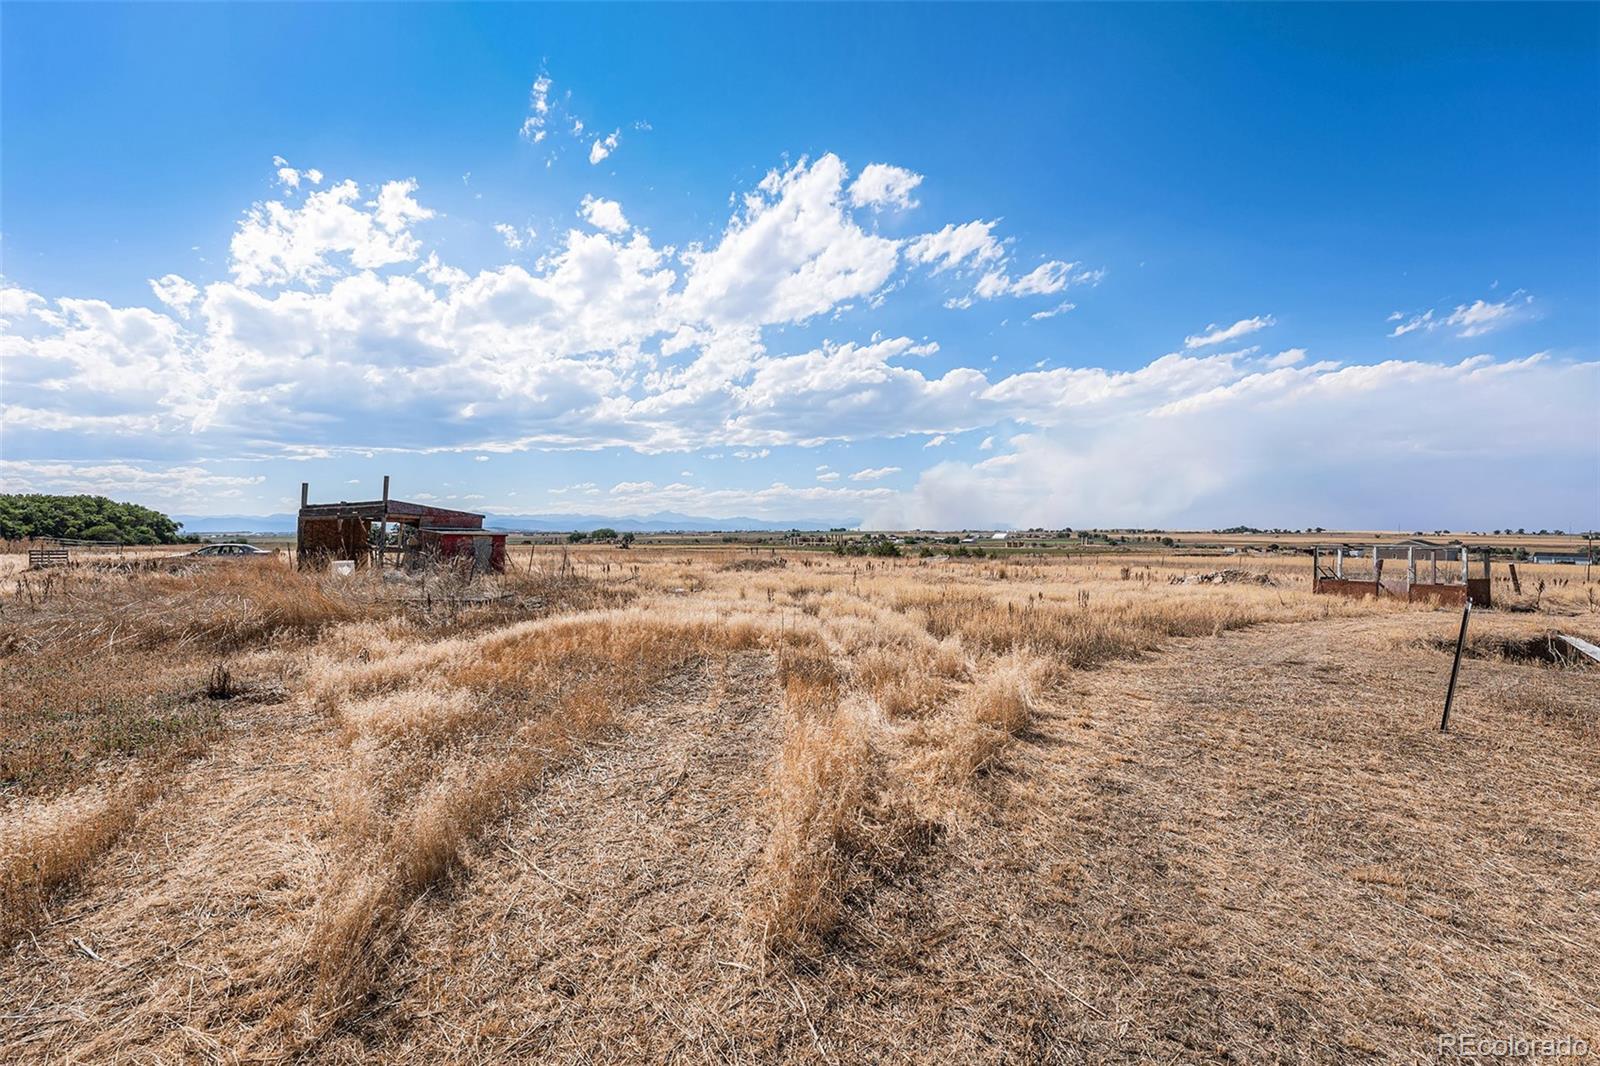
660, 522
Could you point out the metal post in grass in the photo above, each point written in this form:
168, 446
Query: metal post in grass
1455, 668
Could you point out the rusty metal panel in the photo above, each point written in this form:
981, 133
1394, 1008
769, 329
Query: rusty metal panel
1446, 595
1335, 586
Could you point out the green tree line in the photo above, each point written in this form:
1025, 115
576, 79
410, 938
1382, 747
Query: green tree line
84, 518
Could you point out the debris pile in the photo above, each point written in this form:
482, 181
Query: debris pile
1224, 577
758, 563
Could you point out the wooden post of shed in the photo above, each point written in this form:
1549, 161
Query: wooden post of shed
300, 523
383, 526
1411, 569
1338, 562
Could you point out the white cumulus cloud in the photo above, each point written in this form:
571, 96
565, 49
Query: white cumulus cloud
1467, 320
603, 146
533, 126
603, 214
971, 243
881, 185
176, 292
514, 238
277, 244
1215, 334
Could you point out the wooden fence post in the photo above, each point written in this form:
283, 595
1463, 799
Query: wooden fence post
1455, 668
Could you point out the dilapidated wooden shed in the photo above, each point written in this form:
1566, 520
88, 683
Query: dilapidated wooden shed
393, 533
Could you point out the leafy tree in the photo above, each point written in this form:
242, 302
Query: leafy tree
603, 533
83, 518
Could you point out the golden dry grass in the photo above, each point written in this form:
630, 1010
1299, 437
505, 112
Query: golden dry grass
45, 849
644, 805
821, 785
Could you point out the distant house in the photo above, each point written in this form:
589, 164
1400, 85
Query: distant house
1561, 558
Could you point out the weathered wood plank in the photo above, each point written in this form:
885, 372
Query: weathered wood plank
1578, 644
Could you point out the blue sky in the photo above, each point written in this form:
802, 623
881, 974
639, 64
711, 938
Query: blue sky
938, 266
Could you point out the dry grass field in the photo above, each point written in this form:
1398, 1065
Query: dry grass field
748, 806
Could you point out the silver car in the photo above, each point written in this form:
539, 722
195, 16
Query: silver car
228, 551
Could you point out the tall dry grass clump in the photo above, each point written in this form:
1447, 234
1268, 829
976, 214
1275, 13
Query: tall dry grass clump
943, 755
1003, 699
817, 799
44, 853
809, 674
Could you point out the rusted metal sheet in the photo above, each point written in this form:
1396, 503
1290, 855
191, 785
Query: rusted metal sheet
1344, 586
1445, 595
486, 549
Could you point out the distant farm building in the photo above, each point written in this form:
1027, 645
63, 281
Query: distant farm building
393, 533
1561, 558
1413, 571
